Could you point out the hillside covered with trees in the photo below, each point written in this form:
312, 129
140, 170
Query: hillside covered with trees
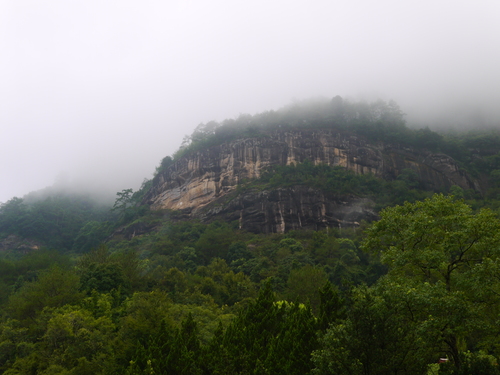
90, 288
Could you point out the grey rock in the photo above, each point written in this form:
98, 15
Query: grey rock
199, 182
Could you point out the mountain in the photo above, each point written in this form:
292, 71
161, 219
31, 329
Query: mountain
205, 183
312, 165
248, 253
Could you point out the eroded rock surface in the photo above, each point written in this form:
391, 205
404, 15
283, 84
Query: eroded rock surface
203, 177
297, 207
18, 244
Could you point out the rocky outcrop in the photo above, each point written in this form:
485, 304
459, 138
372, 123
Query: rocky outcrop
291, 208
128, 232
203, 177
13, 243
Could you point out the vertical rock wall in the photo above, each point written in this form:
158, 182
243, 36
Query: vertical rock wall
201, 177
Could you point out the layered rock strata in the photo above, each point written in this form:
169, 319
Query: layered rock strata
202, 177
291, 208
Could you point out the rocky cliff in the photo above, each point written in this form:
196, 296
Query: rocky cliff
199, 182
18, 245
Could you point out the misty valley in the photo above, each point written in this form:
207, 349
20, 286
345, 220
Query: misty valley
327, 237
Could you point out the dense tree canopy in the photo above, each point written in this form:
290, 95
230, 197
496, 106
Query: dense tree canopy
125, 290
446, 258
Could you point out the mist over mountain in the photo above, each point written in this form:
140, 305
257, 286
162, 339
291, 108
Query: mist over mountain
269, 187
103, 92
102, 179
322, 236
360, 142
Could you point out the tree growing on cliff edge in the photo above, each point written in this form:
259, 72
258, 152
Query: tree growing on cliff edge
124, 200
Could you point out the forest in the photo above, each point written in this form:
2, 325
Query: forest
123, 289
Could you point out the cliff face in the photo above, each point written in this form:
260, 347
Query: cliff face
284, 209
18, 245
204, 177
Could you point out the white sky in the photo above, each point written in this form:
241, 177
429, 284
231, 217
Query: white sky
102, 90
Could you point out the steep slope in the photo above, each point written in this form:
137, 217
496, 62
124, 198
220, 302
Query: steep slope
204, 177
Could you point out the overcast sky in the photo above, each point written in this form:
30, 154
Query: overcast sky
100, 91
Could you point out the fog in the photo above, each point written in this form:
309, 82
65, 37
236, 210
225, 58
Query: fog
100, 91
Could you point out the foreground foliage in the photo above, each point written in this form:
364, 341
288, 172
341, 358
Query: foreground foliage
307, 302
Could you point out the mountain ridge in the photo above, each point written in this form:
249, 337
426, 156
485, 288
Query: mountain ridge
200, 178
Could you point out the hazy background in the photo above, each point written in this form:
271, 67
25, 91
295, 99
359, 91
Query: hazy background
95, 93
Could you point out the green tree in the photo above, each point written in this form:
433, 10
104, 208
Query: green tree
55, 287
90, 236
304, 283
104, 278
268, 337
128, 204
76, 340
13, 215
124, 200
226, 287
331, 306
379, 336
215, 241
439, 248
143, 314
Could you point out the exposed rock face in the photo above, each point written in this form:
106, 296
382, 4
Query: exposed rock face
18, 244
298, 207
130, 231
203, 177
